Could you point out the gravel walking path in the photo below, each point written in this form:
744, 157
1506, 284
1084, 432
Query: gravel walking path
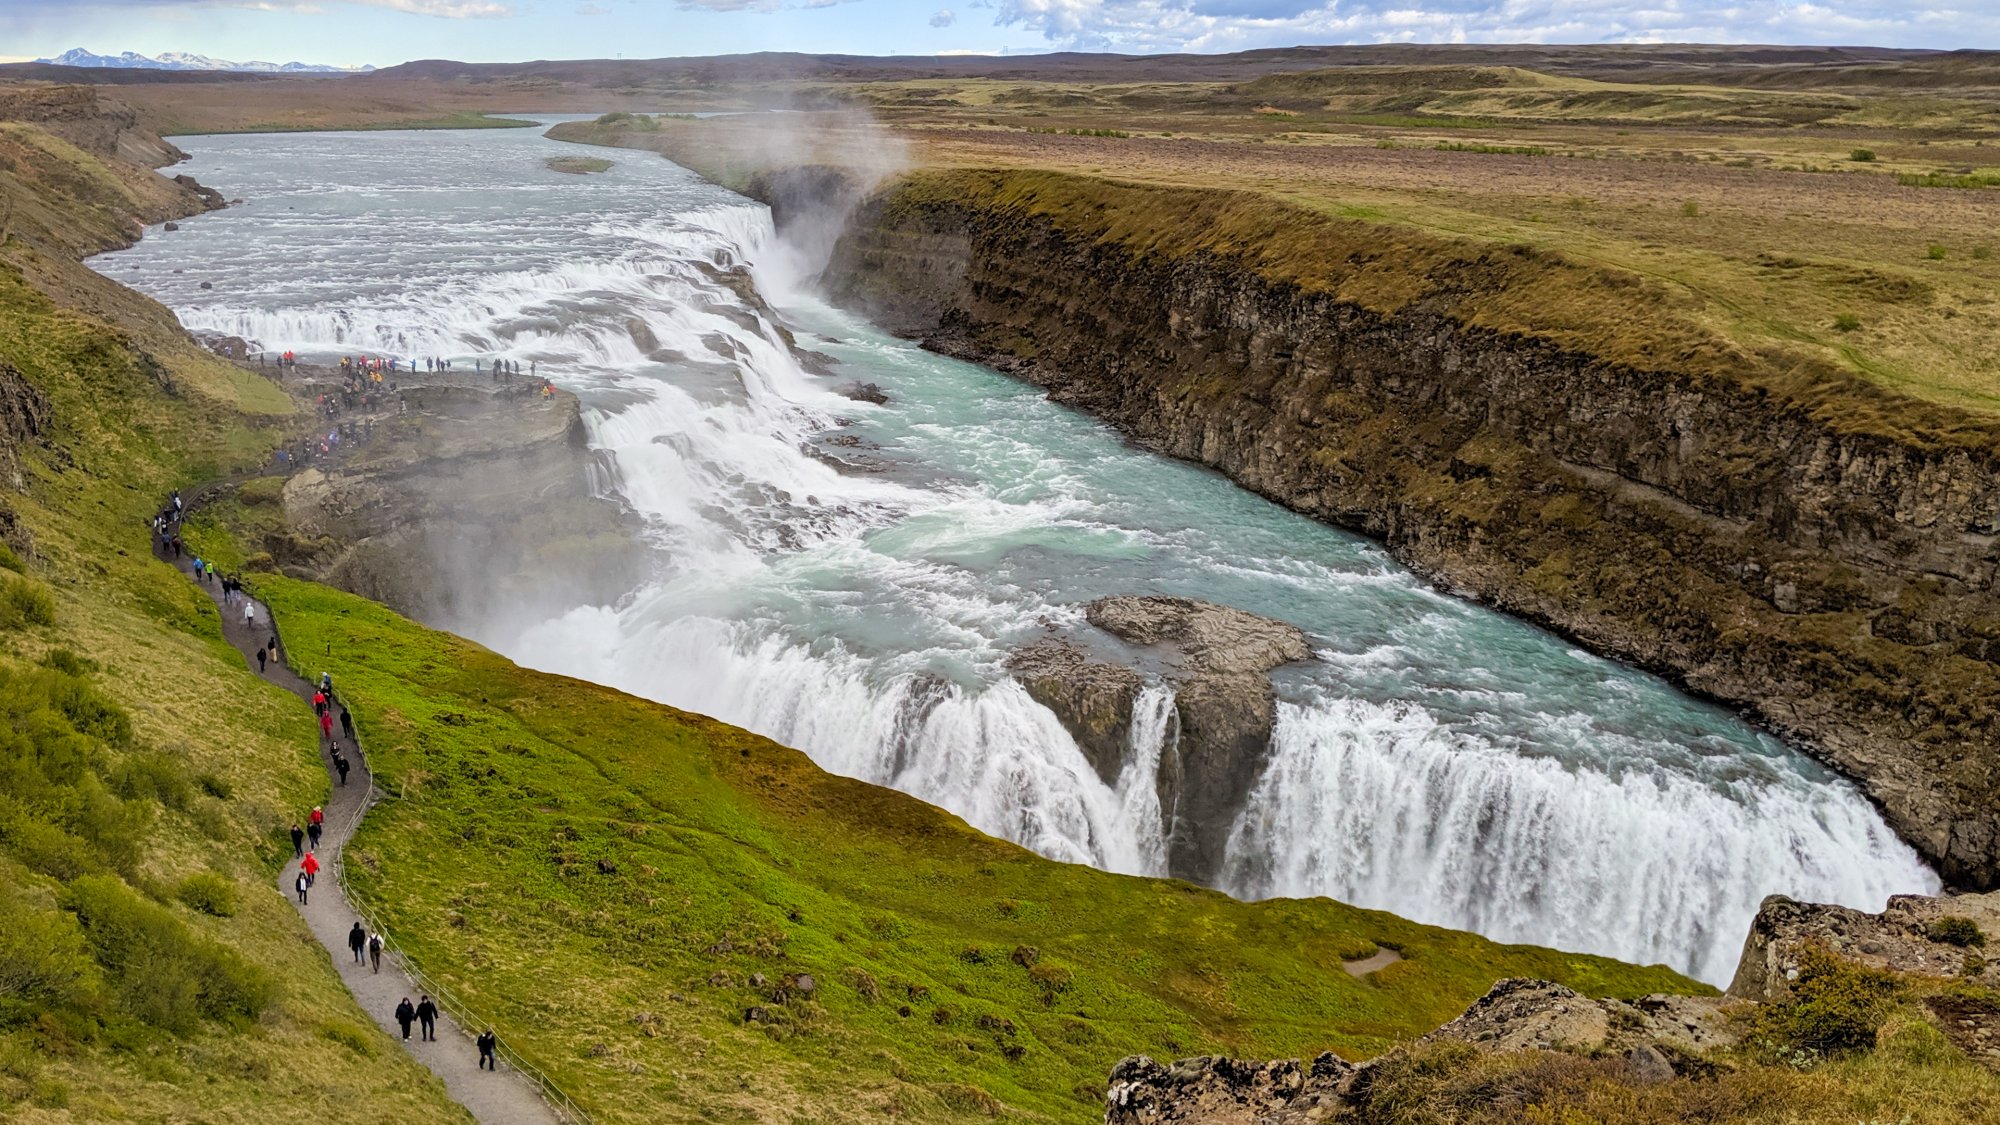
503, 1097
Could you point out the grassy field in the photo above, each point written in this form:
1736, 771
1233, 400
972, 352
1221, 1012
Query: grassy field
1853, 227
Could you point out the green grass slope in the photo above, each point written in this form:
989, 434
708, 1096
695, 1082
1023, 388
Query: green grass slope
149, 970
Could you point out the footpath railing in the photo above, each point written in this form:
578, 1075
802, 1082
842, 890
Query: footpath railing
468, 1020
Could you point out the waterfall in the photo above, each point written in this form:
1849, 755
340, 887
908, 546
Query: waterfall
1436, 761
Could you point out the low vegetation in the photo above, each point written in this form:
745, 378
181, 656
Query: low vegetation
149, 968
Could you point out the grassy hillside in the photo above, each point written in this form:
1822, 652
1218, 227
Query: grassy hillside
149, 970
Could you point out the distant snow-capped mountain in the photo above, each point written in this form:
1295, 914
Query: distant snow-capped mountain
180, 60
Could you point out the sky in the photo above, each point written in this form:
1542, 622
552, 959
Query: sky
385, 32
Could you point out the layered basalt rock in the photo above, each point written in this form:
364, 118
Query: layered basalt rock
1216, 746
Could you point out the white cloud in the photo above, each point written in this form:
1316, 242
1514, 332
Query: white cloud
446, 9
944, 18
1227, 25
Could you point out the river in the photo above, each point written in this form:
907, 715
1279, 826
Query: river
1436, 759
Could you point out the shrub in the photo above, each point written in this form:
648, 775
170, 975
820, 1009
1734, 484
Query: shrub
1835, 1007
1846, 322
1862, 156
1981, 253
26, 602
164, 974
1051, 979
1935, 252
1691, 209
209, 893
68, 663
155, 775
43, 961
11, 561
1955, 929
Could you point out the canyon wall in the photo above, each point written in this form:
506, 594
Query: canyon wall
1783, 539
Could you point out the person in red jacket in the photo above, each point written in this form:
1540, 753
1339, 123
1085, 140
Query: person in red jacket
326, 725
309, 865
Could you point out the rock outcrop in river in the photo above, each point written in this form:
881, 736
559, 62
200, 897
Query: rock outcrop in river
475, 507
1217, 659
1811, 549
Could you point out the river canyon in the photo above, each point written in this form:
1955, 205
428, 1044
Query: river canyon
849, 540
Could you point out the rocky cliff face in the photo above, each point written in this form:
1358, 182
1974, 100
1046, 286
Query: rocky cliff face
1819, 567
475, 510
1219, 737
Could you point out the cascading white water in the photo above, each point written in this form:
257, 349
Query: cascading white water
1437, 760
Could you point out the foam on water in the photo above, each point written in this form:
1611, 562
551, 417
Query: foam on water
1436, 760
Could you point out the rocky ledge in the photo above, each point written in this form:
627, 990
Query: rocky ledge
1217, 659
1656, 1039
462, 504
1940, 937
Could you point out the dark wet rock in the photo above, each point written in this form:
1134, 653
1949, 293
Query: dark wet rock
172, 227
210, 198
208, 285
1224, 708
819, 363
1093, 699
863, 392
1218, 740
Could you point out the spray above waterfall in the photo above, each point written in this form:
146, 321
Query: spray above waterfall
853, 578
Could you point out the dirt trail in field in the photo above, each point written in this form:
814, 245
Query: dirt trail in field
503, 1097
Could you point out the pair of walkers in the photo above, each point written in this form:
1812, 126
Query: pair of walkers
424, 1012
364, 944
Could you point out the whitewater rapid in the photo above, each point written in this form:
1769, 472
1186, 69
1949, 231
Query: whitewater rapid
1435, 759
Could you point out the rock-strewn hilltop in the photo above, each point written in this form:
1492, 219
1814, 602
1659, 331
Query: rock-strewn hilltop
1217, 658
1921, 952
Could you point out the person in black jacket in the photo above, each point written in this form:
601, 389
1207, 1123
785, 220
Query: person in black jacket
357, 940
427, 1014
298, 841
406, 1014
488, 1041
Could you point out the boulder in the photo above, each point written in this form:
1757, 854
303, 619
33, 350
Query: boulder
1204, 636
1093, 699
1217, 658
1518, 1014
1906, 937
1224, 1091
